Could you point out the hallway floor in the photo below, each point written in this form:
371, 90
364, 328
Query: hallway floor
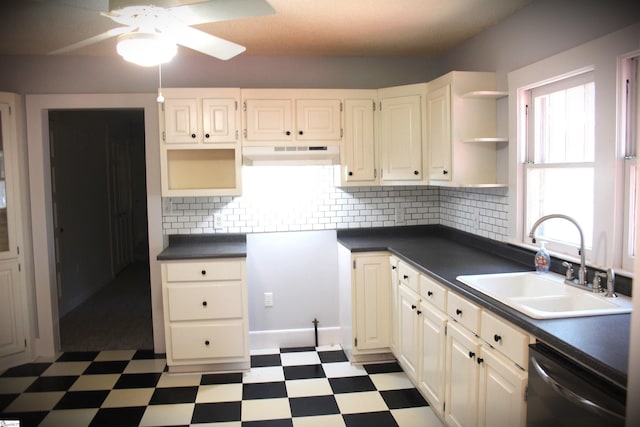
301, 387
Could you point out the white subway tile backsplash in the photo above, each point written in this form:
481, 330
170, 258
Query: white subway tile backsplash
292, 198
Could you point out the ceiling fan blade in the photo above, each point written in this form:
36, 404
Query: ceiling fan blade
206, 43
220, 10
95, 39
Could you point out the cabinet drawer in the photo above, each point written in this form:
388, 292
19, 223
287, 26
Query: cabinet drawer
506, 338
408, 276
463, 311
205, 270
433, 292
208, 341
199, 302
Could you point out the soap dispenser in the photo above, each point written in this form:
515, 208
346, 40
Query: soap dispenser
542, 260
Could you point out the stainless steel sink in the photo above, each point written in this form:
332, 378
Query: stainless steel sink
545, 296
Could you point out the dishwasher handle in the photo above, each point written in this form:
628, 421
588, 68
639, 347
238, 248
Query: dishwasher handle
570, 394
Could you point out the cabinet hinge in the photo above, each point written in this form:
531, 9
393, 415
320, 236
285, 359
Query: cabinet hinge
341, 106
374, 105
19, 267
164, 136
237, 134
526, 393
10, 110
244, 132
25, 343
236, 103
18, 248
354, 264
162, 107
380, 105
355, 342
445, 330
375, 173
341, 133
244, 106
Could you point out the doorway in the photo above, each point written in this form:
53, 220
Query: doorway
99, 212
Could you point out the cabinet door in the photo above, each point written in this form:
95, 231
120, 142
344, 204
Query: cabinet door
268, 120
219, 120
439, 133
358, 155
408, 331
462, 375
318, 120
431, 378
395, 301
181, 121
372, 301
401, 132
12, 339
502, 389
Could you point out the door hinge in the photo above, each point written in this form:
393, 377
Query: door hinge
526, 393
18, 248
19, 268
10, 110
354, 264
25, 343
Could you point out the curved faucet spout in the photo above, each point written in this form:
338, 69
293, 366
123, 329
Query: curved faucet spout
582, 272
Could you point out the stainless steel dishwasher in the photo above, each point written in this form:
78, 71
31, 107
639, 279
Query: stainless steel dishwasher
562, 393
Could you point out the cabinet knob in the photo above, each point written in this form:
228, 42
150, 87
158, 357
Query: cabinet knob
393, 267
206, 135
204, 272
445, 172
193, 135
206, 343
419, 312
471, 355
480, 360
497, 338
413, 307
287, 132
416, 172
300, 132
429, 293
350, 173
204, 303
458, 312
405, 277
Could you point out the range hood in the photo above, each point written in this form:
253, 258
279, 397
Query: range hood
291, 155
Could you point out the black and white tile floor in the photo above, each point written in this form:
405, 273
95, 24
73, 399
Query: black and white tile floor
301, 387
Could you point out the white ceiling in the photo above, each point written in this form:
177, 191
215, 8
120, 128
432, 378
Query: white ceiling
299, 27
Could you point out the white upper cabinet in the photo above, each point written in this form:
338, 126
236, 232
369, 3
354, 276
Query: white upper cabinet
291, 116
200, 116
402, 133
358, 150
462, 129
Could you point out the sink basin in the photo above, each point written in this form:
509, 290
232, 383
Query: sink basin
545, 296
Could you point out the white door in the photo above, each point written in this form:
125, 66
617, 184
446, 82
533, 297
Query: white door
433, 350
502, 392
408, 334
268, 120
372, 301
219, 120
318, 120
462, 372
359, 157
181, 121
439, 133
401, 129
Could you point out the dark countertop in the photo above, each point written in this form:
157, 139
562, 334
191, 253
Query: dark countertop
600, 343
183, 247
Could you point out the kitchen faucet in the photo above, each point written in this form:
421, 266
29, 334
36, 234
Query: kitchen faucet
582, 272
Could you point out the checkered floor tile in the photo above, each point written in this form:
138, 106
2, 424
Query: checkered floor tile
301, 387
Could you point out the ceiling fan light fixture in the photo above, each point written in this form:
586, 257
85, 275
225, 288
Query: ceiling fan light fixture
146, 49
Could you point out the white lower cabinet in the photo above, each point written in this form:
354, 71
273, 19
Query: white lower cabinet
205, 310
468, 363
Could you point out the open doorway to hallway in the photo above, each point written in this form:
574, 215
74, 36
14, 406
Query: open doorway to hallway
100, 229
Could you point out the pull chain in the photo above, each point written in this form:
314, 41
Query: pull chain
160, 98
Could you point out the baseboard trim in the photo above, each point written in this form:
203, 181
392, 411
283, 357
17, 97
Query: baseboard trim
283, 338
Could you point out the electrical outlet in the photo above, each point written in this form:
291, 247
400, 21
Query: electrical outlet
268, 299
217, 221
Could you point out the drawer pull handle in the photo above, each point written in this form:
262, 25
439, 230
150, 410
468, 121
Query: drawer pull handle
206, 343
497, 338
429, 293
204, 272
204, 303
471, 355
458, 312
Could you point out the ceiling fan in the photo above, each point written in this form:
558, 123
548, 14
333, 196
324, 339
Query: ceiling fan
149, 34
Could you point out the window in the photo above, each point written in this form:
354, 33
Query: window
560, 160
630, 117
